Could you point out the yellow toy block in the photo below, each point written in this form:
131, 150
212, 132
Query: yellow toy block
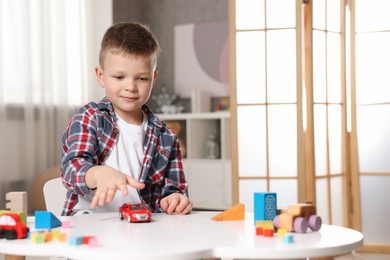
56, 234
237, 212
281, 232
63, 237
265, 224
37, 238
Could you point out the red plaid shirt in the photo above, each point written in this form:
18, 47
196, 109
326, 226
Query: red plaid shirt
89, 138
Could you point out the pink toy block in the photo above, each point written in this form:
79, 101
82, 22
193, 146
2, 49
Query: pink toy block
66, 224
92, 242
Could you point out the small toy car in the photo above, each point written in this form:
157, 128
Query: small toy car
135, 212
298, 218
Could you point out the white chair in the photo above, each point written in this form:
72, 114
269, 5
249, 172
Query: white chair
55, 194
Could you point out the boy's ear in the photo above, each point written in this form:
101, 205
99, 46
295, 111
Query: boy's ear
99, 75
155, 74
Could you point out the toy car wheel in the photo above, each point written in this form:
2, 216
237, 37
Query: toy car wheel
1, 233
10, 234
121, 215
315, 222
129, 219
300, 225
276, 221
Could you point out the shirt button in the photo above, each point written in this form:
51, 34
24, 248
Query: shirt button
116, 131
162, 152
105, 153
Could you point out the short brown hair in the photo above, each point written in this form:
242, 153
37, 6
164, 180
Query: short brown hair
129, 38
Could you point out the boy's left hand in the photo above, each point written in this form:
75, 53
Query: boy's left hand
176, 203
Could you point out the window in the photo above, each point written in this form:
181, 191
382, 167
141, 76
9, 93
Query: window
310, 100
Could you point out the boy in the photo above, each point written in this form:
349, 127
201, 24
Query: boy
117, 151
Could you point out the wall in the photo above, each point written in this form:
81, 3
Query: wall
162, 16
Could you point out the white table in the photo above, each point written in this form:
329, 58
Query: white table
193, 236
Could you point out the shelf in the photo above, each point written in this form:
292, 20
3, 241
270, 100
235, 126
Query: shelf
206, 164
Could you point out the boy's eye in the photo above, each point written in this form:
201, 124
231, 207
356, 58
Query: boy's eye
143, 78
118, 77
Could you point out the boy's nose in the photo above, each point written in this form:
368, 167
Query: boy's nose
130, 86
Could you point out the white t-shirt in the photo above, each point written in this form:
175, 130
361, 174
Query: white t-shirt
127, 157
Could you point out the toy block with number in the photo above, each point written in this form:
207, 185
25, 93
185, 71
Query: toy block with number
264, 206
237, 212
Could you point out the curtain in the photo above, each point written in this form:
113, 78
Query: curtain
48, 50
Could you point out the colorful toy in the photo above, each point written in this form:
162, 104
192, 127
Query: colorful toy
288, 238
237, 212
298, 218
135, 212
265, 228
46, 220
12, 225
264, 206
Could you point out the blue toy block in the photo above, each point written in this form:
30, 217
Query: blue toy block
75, 240
288, 238
46, 220
264, 206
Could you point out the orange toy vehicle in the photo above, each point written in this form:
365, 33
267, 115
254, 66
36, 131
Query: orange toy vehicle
12, 226
298, 218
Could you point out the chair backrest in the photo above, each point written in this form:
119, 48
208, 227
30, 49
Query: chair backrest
54, 193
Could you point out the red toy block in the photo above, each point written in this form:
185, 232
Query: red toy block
268, 232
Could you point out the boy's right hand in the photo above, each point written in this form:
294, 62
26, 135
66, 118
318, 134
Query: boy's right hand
107, 181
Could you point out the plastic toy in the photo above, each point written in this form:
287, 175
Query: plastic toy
135, 212
264, 206
237, 212
12, 226
298, 218
46, 220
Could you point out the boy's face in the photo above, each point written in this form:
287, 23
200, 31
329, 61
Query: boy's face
128, 81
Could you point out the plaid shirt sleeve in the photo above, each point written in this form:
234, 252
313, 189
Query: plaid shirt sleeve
163, 172
81, 150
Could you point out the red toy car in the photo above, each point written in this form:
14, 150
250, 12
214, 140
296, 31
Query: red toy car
135, 212
12, 226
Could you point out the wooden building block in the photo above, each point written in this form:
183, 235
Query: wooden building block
17, 201
237, 212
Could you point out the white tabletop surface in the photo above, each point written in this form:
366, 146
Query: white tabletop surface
193, 236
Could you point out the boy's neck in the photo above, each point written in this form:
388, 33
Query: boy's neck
134, 117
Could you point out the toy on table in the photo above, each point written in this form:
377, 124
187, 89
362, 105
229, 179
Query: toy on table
16, 201
298, 218
265, 207
135, 212
237, 212
13, 225
46, 220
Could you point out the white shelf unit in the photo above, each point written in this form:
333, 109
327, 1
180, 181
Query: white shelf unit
209, 180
